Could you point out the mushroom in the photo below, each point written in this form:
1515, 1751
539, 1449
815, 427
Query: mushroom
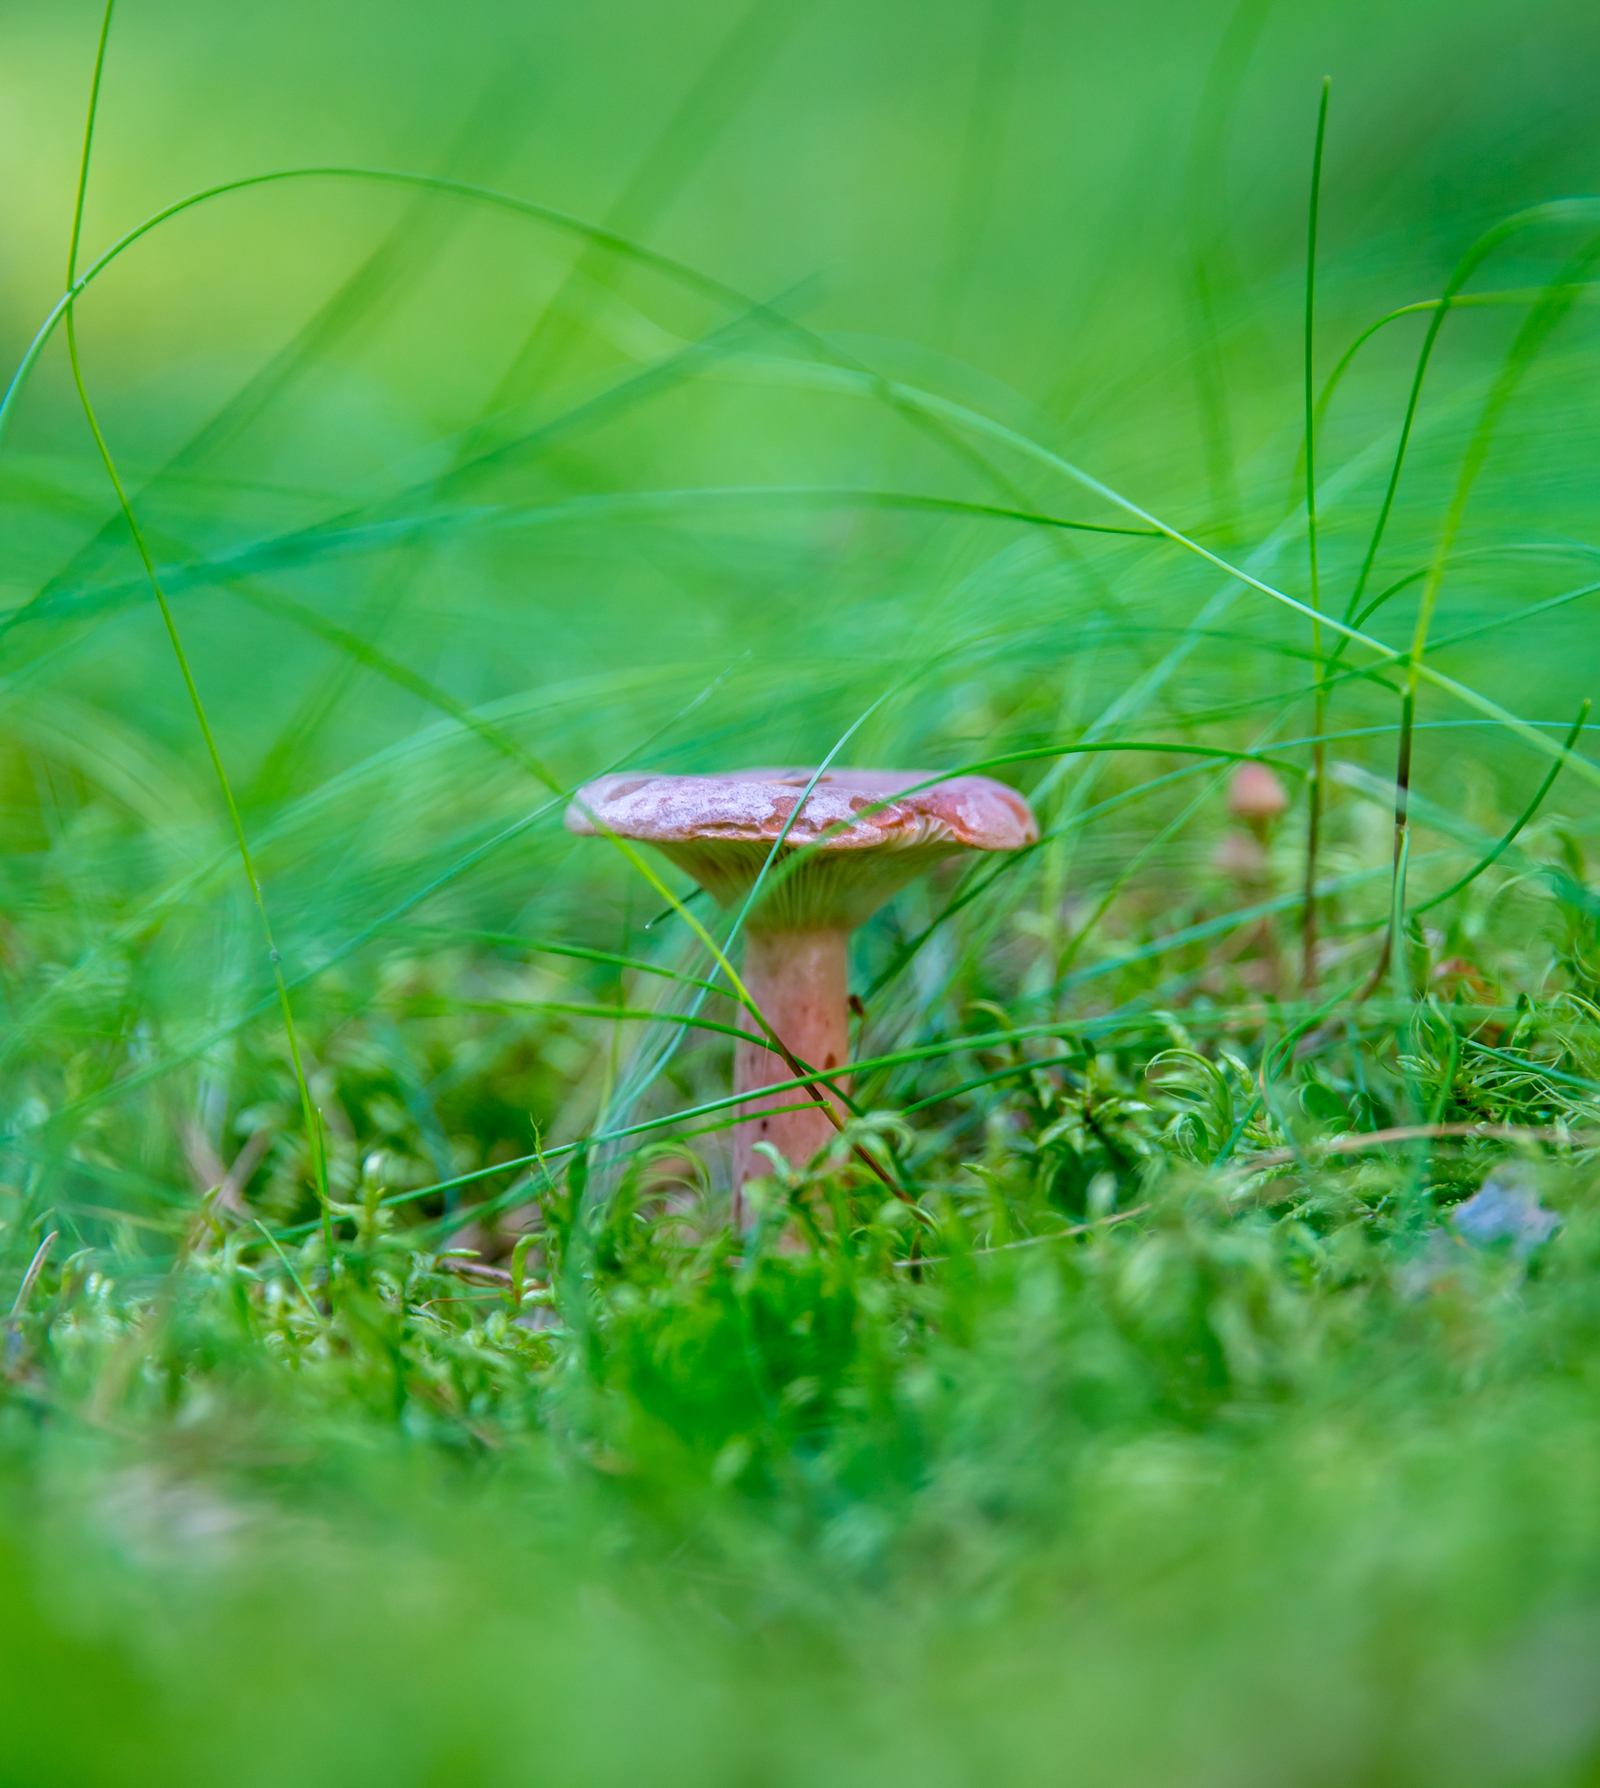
1258, 800
1257, 797
870, 832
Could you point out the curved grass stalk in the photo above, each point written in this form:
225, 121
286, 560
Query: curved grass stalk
1535, 330
701, 284
1074, 1059
1426, 726
958, 415
318, 544
1423, 571
308, 1110
1518, 824
1477, 630
1540, 323
1308, 914
899, 396
702, 115
1555, 212
1508, 298
906, 399
1209, 269
214, 753
544, 947
441, 1007
611, 241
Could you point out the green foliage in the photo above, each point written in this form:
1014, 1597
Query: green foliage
383, 1395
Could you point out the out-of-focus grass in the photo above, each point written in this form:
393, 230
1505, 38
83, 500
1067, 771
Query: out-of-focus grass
1228, 1495
729, 389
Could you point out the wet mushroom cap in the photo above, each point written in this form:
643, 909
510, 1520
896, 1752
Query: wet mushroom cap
860, 837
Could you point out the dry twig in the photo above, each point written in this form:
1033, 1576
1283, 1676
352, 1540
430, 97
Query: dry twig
1357, 1144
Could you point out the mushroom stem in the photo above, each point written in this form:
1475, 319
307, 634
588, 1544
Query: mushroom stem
799, 979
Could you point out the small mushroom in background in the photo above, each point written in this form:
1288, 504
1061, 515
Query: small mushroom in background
1256, 801
860, 838
1256, 797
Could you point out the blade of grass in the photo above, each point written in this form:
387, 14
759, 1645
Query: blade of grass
1517, 825
212, 751
1319, 710
1535, 330
1211, 271
1555, 213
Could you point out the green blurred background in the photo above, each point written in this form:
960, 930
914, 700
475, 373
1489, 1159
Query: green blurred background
454, 505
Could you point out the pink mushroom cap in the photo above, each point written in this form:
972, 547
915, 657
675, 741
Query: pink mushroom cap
1256, 794
860, 837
